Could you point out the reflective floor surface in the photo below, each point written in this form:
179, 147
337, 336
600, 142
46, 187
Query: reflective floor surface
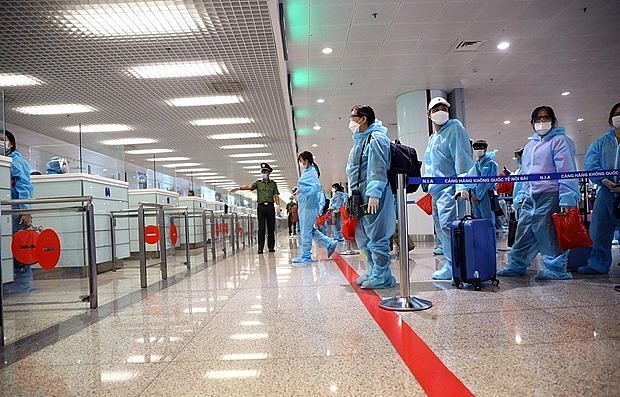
252, 325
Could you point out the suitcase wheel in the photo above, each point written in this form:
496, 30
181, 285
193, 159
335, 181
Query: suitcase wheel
495, 282
477, 287
458, 284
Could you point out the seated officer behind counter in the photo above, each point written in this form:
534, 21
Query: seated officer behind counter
267, 193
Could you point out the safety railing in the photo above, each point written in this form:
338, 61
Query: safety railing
87, 209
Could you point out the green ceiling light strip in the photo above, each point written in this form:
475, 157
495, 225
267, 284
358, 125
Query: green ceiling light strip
297, 19
304, 131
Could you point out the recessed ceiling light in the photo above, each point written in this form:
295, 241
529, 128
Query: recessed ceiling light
204, 100
579, 119
236, 155
257, 161
149, 151
193, 170
320, 100
327, 50
565, 93
180, 165
169, 159
316, 127
506, 121
55, 109
177, 69
143, 18
246, 146
199, 173
237, 135
14, 80
224, 121
315, 145
129, 141
99, 128
503, 45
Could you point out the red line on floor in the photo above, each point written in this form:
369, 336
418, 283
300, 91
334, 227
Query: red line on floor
434, 377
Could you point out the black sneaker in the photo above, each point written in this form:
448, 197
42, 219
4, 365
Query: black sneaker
260, 251
272, 250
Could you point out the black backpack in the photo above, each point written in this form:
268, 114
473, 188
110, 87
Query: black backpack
404, 161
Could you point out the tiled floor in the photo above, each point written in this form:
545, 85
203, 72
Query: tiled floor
252, 325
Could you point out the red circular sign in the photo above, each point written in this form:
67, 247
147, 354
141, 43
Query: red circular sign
174, 234
48, 249
151, 234
24, 246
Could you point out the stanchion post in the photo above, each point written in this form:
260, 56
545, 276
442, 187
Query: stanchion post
404, 302
222, 221
187, 263
205, 254
141, 246
213, 249
113, 240
92, 255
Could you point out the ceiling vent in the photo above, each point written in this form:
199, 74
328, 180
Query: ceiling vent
468, 46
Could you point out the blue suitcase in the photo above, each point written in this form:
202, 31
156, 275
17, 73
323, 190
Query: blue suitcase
474, 257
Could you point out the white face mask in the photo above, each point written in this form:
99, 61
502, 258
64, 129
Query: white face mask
302, 166
516, 160
615, 121
333, 191
479, 153
440, 117
265, 176
354, 127
542, 128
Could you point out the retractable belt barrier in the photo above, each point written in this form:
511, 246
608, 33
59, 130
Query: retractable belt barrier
554, 176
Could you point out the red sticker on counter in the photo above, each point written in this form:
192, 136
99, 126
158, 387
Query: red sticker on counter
24, 246
174, 236
151, 234
48, 249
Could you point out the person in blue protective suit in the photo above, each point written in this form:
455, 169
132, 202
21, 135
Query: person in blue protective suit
367, 167
448, 154
548, 151
310, 199
604, 154
56, 165
21, 188
339, 197
518, 194
484, 166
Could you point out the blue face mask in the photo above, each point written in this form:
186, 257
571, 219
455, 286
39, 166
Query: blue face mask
265, 176
516, 160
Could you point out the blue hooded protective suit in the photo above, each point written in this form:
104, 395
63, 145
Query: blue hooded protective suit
373, 231
337, 201
485, 166
448, 154
603, 154
21, 188
310, 199
553, 152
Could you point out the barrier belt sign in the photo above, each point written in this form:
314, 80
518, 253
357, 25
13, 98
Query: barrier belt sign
513, 178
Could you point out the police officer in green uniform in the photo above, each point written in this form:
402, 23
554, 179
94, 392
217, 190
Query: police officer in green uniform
267, 194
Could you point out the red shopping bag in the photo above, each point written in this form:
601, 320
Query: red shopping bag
426, 204
348, 225
570, 230
320, 220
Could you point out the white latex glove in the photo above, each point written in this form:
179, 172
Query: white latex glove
462, 195
373, 205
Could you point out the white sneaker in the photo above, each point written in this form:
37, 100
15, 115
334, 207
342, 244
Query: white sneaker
615, 242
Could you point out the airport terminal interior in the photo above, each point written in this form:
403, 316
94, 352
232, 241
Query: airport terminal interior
132, 264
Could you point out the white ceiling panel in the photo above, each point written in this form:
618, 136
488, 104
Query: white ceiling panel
407, 31
367, 32
459, 12
403, 47
423, 12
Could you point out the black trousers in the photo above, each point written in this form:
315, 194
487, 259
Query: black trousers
292, 226
266, 216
